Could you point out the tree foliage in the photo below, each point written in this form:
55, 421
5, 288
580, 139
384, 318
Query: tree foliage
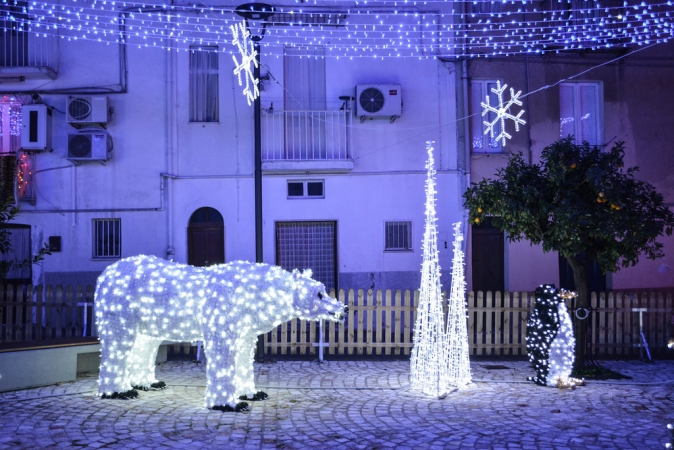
580, 202
578, 199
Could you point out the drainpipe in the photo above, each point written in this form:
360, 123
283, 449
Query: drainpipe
528, 108
172, 139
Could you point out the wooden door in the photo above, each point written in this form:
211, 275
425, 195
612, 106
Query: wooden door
206, 238
488, 258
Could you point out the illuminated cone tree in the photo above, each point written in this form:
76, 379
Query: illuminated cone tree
429, 368
457, 332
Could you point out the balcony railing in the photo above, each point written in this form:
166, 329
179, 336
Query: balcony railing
27, 52
305, 135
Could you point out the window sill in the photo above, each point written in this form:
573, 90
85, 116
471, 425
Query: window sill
308, 166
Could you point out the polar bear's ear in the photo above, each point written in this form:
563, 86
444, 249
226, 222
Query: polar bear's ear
308, 273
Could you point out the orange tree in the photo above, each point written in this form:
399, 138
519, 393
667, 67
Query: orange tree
581, 203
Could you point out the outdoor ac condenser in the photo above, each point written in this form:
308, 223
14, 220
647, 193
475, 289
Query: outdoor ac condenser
379, 101
90, 145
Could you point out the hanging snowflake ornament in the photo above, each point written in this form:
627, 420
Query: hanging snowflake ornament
241, 39
502, 113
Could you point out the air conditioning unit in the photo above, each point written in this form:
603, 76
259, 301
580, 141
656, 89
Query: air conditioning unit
35, 128
87, 110
90, 145
379, 101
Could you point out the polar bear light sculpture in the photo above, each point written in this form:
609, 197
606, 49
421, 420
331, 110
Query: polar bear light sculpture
143, 300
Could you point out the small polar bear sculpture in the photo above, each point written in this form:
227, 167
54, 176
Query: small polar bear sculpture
143, 300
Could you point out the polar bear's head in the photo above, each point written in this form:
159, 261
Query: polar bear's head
311, 301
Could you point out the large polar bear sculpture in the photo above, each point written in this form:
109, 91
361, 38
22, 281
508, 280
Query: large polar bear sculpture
143, 300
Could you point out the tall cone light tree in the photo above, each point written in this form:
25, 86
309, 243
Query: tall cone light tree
429, 371
457, 330
580, 202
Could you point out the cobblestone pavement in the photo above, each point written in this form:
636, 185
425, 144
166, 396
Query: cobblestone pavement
352, 404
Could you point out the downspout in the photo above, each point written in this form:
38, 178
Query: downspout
467, 164
172, 139
528, 108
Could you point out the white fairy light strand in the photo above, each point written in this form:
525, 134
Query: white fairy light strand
143, 300
246, 47
502, 112
550, 341
409, 30
457, 330
429, 368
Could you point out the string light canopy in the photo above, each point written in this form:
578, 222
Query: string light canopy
374, 28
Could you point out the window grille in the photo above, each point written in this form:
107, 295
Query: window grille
204, 94
398, 236
107, 238
308, 245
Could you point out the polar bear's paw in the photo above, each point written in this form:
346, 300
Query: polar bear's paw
240, 407
132, 393
259, 395
159, 385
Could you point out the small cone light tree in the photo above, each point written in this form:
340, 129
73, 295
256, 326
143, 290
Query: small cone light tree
457, 332
429, 371
580, 203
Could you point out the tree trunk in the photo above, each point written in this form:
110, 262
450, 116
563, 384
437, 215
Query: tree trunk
579, 269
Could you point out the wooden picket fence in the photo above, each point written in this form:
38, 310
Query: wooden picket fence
45, 315
378, 322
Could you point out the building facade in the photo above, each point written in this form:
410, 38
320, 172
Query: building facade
167, 166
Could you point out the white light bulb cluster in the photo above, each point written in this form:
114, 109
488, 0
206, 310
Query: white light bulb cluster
439, 357
379, 29
241, 40
550, 341
502, 112
143, 300
457, 331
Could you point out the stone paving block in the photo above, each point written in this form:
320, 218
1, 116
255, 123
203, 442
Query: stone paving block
352, 404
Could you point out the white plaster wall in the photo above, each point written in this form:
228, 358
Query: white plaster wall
155, 191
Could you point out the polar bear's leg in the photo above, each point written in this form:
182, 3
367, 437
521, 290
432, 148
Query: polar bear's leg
220, 372
113, 381
245, 373
142, 362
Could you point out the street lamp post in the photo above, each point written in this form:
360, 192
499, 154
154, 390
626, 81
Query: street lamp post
257, 12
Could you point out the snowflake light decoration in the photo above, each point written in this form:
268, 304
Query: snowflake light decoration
240, 38
502, 113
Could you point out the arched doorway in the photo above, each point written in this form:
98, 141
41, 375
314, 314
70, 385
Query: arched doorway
206, 238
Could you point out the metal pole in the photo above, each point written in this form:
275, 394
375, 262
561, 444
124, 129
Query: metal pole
259, 351
258, 163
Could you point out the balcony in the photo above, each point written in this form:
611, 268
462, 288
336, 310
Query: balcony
26, 53
306, 141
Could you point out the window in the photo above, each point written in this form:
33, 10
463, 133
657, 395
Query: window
19, 240
580, 112
398, 236
16, 168
485, 7
10, 120
107, 238
309, 245
204, 96
304, 102
306, 189
481, 142
14, 36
